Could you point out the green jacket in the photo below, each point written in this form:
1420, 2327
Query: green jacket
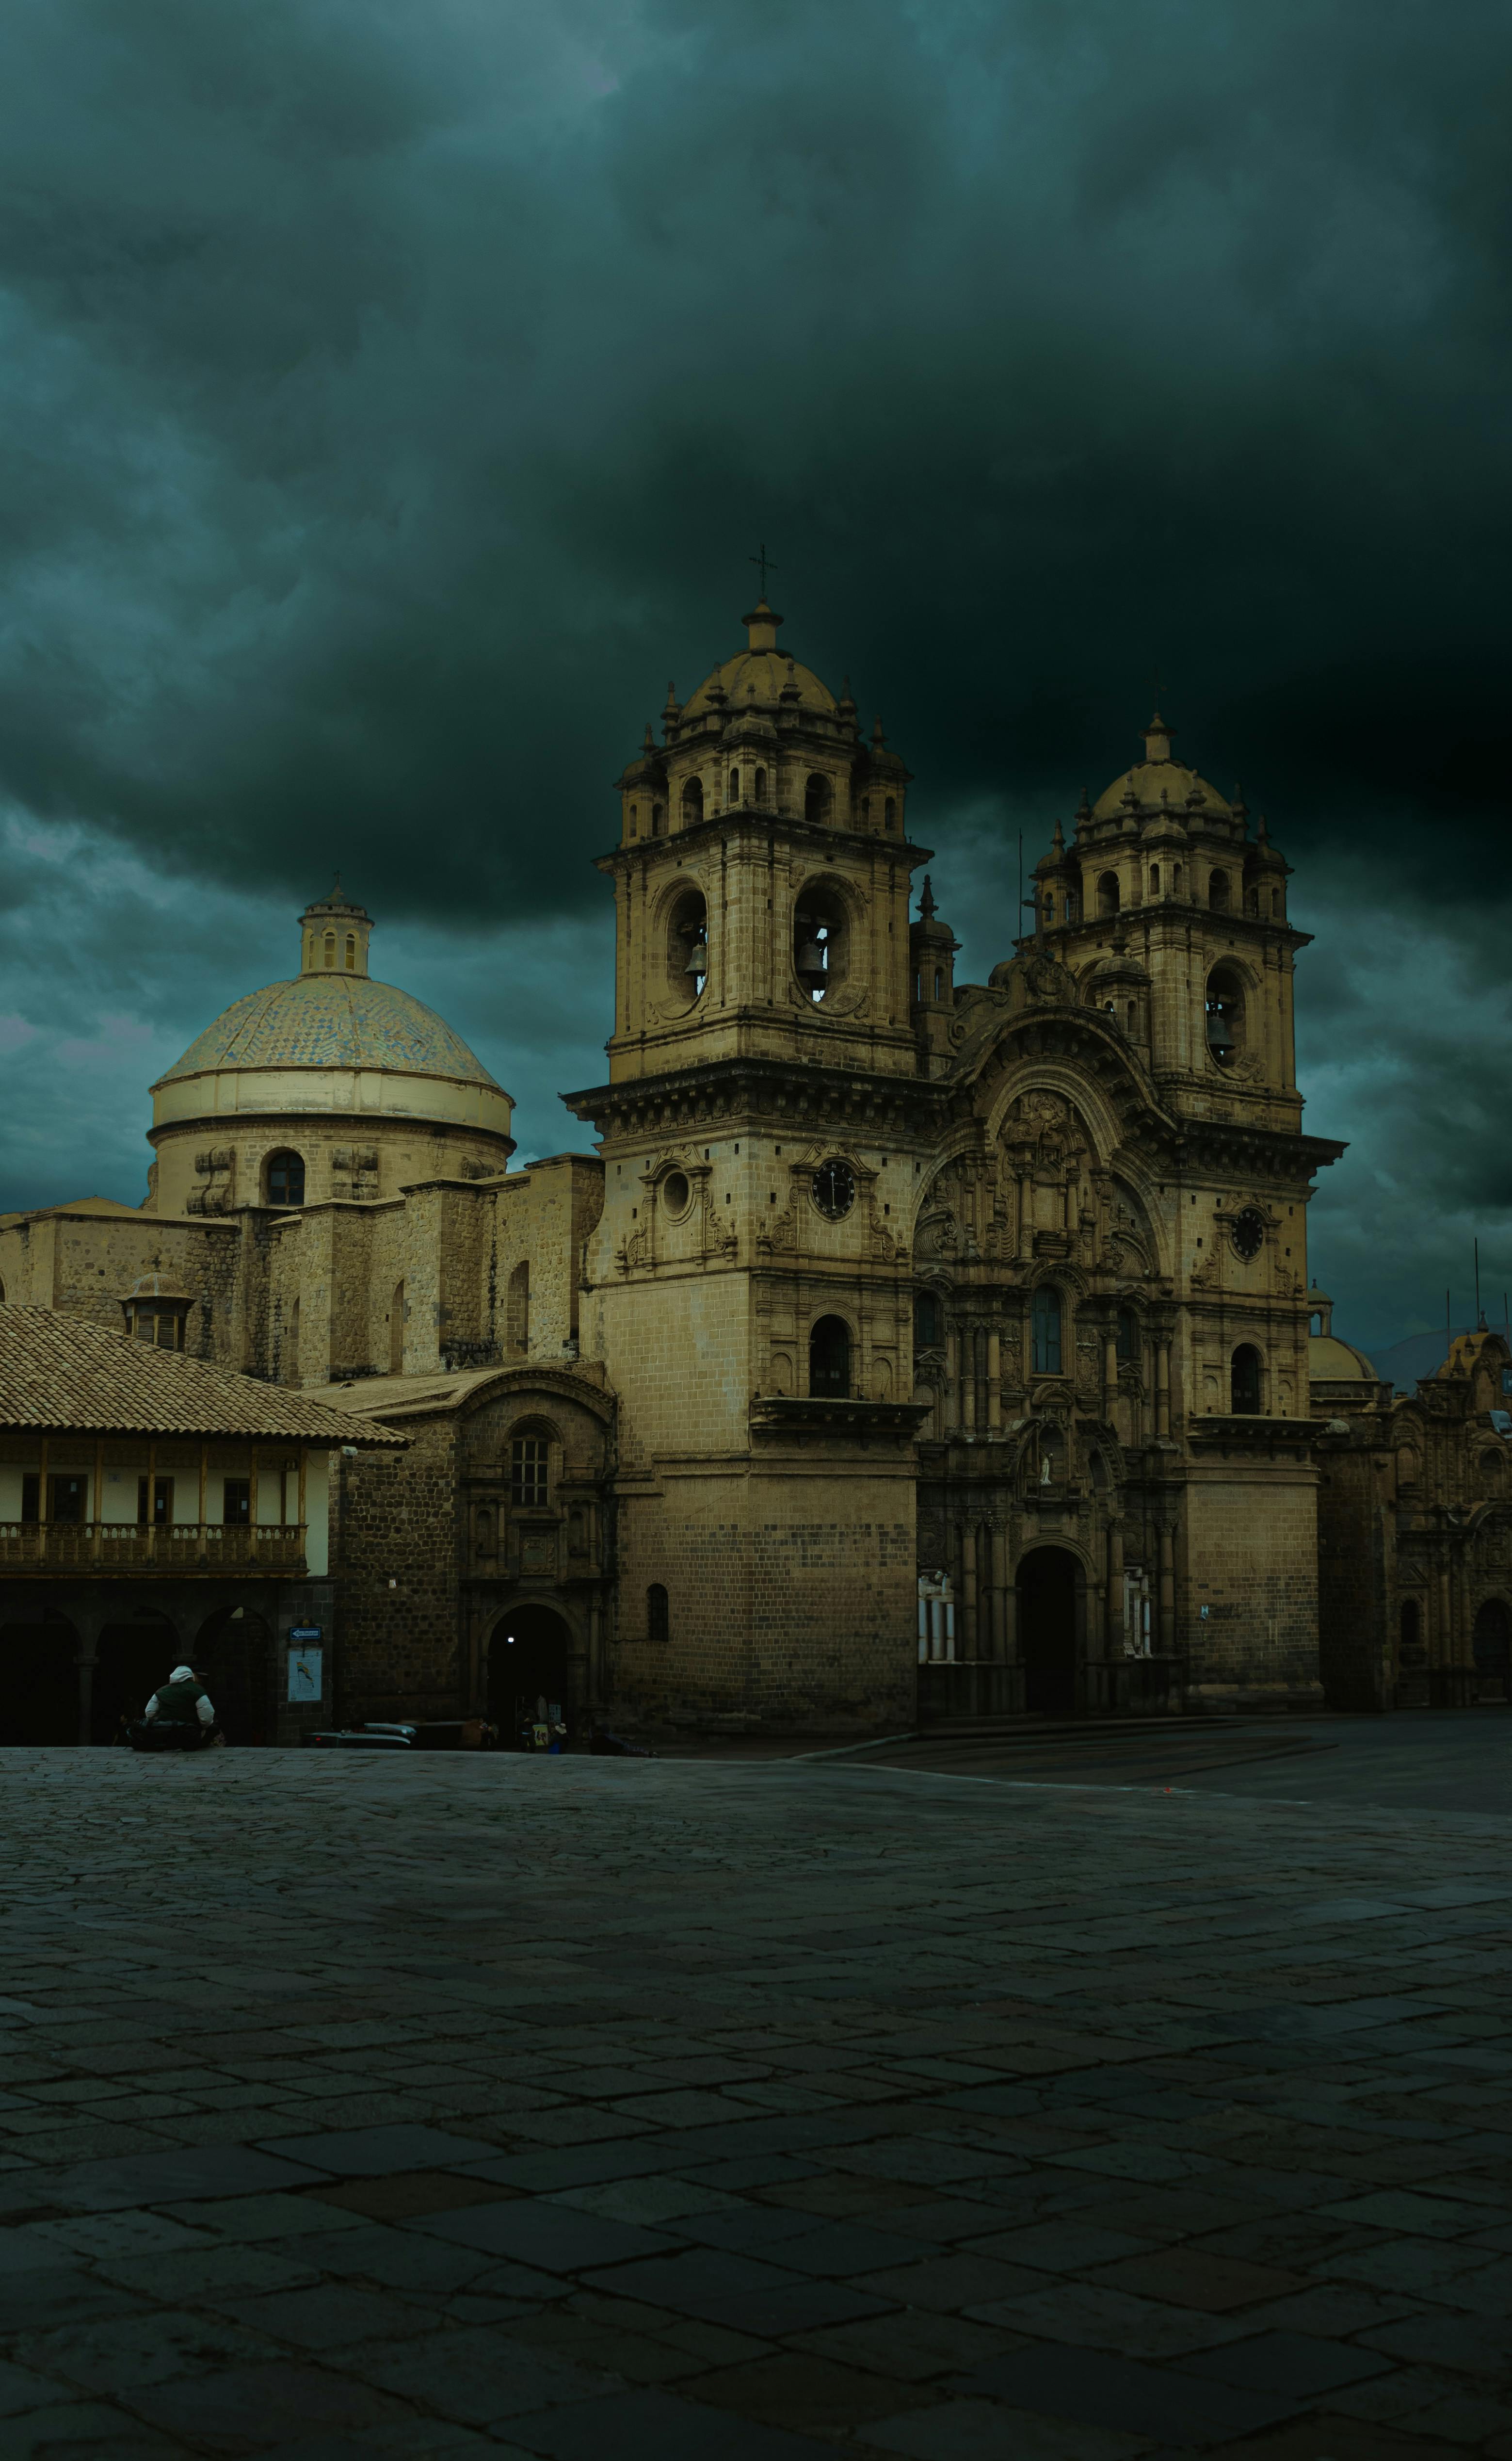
176, 1702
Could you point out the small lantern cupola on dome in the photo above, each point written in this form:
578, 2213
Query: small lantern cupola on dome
762, 625
1158, 738
333, 933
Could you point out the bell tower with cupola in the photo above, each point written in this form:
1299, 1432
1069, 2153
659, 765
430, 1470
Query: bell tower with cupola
762, 877
767, 1106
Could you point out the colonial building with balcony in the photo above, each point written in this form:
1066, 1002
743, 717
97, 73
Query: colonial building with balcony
153, 1509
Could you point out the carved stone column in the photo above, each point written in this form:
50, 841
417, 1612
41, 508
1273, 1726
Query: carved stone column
1163, 1389
994, 1380
1167, 1590
1115, 1589
969, 1588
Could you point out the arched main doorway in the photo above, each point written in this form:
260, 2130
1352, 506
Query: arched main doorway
1046, 1630
530, 1661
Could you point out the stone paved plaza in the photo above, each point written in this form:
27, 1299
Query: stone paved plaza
447, 2105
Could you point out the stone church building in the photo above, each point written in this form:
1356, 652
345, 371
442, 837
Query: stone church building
908, 1346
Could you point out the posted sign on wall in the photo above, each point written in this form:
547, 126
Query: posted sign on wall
305, 1663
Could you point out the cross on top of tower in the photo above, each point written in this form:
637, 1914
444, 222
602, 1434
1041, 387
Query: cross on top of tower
766, 564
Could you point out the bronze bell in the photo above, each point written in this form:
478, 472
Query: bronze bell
697, 957
811, 962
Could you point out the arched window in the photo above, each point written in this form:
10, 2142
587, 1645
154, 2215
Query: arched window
1412, 1624
1071, 906
760, 785
397, 1331
1243, 1380
636, 821
1176, 880
829, 1359
1406, 1466
735, 789
821, 943
1046, 1324
818, 801
1275, 905
1154, 879
927, 1331
688, 946
1225, 1015
1108, 894
529, 1471
889, 814
517, 1308
351, 954
330, 948
286, 1179
658, 1622
693, 802
658, 820
939, 984
1128, 1335
865, 811
1218, 892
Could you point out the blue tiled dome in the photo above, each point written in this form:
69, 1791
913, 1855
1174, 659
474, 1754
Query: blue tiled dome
331, 1020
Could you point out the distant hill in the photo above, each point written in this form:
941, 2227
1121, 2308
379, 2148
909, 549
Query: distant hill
1421, 1353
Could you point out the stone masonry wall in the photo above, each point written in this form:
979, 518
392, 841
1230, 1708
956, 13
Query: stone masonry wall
394, 1520
1249, 1554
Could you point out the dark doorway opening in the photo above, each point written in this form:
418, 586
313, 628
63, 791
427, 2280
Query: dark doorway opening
1046, 1630
234, 1653
530, 1665
131, 1659
39, 1697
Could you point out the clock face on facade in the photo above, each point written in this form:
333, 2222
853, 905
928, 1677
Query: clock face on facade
834, 1188
1250, 1233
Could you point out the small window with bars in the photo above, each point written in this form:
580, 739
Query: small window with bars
529, 1469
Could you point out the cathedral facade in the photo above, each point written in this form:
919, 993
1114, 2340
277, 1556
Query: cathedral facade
908, 1346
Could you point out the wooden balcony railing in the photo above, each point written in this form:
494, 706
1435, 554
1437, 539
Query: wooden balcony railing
132, 1547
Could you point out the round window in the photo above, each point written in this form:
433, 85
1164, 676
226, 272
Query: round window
1250, 1233
834, 1188
676, 1192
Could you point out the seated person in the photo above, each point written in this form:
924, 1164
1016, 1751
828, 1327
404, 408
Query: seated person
183, 1700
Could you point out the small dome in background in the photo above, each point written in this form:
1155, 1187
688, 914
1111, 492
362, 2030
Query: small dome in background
1332, 1361
1158, 774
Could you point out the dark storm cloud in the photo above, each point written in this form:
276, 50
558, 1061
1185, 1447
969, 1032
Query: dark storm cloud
392, 398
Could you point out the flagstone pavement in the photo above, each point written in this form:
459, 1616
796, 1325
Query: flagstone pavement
378, 2105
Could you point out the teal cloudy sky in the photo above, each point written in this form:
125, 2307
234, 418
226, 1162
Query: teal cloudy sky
393, 395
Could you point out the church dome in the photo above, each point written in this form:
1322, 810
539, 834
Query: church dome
331, 1022
332, 1040
1158, 776
1332, 1361
757, 676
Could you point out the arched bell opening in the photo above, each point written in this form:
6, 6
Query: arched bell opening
820, 942
693, 802
818, 801
687, 947
1225, 1007
1108, 894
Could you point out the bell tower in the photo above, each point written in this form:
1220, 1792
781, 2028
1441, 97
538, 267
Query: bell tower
761, 877
748, 1285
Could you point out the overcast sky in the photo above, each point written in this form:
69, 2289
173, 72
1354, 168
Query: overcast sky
393, 395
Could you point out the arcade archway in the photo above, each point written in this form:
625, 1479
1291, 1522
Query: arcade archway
1046, 1630
131, 1659
234, 1651
39, 1697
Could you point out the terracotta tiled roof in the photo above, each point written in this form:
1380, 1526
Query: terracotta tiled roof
59, 1371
